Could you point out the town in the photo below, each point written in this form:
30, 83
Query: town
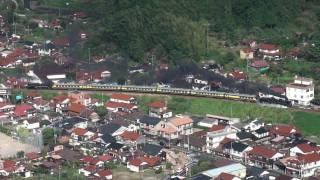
69, 110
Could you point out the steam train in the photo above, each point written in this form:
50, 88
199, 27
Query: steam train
163, 90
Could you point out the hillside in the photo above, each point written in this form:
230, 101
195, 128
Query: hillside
175, 30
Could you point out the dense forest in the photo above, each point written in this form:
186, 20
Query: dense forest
179, 29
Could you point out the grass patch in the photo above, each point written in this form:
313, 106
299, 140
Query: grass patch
101, 97
309, 123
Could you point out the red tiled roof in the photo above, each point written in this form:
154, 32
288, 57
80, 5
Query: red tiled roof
77, 108
225, 176
129, 135
12, 57
278, 89
269, 47
240, 75
33, 155
87, 159
60, 98
61, 41
263, 151
308, 158
157, 104
216, 128
247, 50
9, 165
306, 148
151, 161
259, 64
79, 131
21, 110
136, 162
90, 168
105, 158
285, 130
104, 173
119, 105
125, 97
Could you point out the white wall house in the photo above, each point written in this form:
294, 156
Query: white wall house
301, 91
214, 138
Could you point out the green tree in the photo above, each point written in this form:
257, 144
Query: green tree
20, 154
48, 136
23, 132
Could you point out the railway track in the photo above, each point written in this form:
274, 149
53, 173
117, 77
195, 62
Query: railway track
153, 90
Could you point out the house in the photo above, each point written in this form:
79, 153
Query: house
60, 103
80, 98
244, 136
80, 15
104, 174
208, 122
121, 107
235, 169
262, 156
269, 51
159, 109
301, 91
105, 140
226, 176
76, 109
33, 156
147, 123
70, 124
140, 164
41, 104
6, 107
112, 129
88, 170
236, 150
259, 65
131, 138
80, 135
302, 165
246, 53
280, 90
285, 130
23, 111
238, 75
303, 149
193, 142
152, 149
254, 125
174, 127
261, 133
123, 98
8, 167
90, 160
31, 123
217, 135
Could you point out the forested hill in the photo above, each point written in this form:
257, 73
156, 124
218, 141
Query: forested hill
176, 29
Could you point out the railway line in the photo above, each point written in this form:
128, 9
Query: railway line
157, 90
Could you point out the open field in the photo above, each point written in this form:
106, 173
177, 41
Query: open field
9, 146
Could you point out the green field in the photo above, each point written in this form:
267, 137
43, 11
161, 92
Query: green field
308, 122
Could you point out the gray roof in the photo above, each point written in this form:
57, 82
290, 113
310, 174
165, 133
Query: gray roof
109, 128
149, 120
152, 149
237, 146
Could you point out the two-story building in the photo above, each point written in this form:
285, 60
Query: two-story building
159, 109
301, 91
269, 51
303, 165
123, 98
174, 127
217, 135
262, 156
